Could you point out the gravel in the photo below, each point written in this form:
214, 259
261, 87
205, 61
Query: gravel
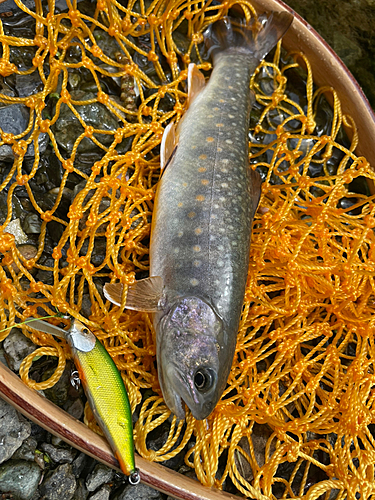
39, 466
14, 429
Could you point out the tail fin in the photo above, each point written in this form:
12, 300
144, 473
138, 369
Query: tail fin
255, 38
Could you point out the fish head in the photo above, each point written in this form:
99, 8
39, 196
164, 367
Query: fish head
188, 346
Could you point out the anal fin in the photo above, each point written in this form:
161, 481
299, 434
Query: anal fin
144, 295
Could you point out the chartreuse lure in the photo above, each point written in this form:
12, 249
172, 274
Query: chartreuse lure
104, 389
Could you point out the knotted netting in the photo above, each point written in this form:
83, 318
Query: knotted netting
297, 417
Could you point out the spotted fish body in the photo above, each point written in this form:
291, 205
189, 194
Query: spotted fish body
201, 232
204, 203
201, 228
200, 239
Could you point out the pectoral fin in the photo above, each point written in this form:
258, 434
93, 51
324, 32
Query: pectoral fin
168, 145
196, 83
144, 295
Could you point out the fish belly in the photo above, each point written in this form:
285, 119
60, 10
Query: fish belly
203, 213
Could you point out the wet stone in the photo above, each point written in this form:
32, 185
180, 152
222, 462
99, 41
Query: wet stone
57, 441
68, 128
260, 436
40, 458
20, 478
11, 5
81, 492
27, 450
14, 227
99, 476
17, 347
14, 429
26, 85
187, 471
242, 464
108, 44
80, 463
102, 494
36, 495
138, 492
32, 224
14, 120
99, 251
59, 393
75, 408
4, 199
28, 252
59, 455
59, 484
2, 356
38, 432
86, 306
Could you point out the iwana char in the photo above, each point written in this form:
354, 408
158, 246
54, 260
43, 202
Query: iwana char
201, 228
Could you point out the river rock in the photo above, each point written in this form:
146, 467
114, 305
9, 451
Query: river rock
27, 85
75, 408
17, 347
100, 475
14, 227
81, 492
68, 128
32, 224
59, 455
27, 450
59, 484
14, 429
14, 119
80, 463
20, 478
11, 5
2, 356
59, 393
102, 494
138, 492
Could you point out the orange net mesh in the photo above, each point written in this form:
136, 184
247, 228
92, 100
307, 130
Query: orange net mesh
296, 420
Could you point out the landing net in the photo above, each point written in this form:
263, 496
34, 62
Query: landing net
296, 420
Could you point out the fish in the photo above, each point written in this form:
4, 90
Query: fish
104, 389
204, 206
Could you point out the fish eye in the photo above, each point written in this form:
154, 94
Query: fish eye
203, 380
85, 331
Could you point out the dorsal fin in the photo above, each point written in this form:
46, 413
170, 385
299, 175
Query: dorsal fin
196, 83
144, 295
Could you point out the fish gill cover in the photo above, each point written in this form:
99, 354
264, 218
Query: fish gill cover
85, 95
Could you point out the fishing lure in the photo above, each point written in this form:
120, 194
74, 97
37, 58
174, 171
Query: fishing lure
104, 389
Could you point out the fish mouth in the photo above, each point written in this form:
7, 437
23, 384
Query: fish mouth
171, 383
